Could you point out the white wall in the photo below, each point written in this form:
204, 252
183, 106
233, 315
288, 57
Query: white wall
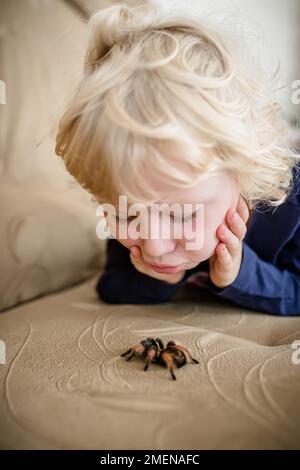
276, 21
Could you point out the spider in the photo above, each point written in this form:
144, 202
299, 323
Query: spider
153, 350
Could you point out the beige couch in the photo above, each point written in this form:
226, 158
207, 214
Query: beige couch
64, 384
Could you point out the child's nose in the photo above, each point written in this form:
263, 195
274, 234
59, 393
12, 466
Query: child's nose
155, 248
158, 237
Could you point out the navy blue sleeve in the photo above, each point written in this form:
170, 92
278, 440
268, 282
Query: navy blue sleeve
266, 287
122, 283
263, 286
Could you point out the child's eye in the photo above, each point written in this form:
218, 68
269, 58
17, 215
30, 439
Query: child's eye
124, 221
184, 219
176, 219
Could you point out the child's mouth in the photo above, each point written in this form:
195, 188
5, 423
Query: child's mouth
166, 269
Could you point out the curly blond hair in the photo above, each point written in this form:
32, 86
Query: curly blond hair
164, 98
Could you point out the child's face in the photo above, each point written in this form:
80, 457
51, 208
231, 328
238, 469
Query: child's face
217, 194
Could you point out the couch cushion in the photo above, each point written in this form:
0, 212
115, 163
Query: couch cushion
48, 242
65, 386
48, 223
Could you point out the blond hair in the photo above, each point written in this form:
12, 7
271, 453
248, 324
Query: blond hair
164, 98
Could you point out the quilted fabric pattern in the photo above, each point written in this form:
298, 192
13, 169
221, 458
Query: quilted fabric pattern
66, 386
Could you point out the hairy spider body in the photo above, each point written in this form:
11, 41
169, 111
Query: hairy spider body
179, 358
147, 348
153, 350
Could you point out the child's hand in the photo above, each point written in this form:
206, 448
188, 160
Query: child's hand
224, 265
137, 261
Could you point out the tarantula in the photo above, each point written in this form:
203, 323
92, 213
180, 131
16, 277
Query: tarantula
153, 350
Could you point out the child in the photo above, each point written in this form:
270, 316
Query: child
166, 112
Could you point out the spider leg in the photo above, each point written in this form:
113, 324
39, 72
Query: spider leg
131, 356
169, 363
136, 349
160, 343
125, 353
185, 349
151, 355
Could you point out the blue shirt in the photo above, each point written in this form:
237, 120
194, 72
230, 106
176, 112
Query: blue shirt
268, 280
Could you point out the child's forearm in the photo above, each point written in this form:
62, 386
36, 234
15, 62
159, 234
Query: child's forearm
263, 287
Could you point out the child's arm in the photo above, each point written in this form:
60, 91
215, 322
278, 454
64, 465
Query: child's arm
122, 283
264, 287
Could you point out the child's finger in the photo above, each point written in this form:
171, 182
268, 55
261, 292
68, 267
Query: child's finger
224, 257
231, 241
242, 209
135, 257
135, 252
237, 225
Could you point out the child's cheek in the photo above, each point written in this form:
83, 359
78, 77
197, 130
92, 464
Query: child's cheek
119, 230
127, 236
122, 234
206, 236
